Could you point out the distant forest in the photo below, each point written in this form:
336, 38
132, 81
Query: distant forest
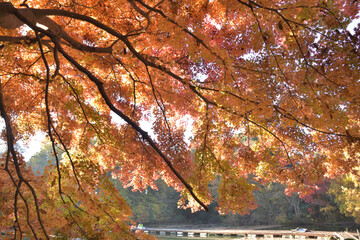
157, 207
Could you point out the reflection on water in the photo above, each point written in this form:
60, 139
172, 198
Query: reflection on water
174, 237
198, 238
210, 238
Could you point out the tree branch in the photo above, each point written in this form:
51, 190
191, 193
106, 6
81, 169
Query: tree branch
145, 135
11, 149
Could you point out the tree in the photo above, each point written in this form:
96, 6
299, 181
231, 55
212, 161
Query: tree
41, 160
285, 72
346, 192
153, 206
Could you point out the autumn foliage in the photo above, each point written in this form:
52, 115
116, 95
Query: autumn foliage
269, 90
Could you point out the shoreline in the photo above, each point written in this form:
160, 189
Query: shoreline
212, 226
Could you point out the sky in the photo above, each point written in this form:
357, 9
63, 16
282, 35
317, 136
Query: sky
27, 149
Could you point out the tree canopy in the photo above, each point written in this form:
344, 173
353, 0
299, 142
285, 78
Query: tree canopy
268, 89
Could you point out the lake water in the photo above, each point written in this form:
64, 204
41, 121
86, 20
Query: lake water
210, 238
198, 238
334, 228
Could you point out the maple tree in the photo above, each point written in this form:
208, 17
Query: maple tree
271, 90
